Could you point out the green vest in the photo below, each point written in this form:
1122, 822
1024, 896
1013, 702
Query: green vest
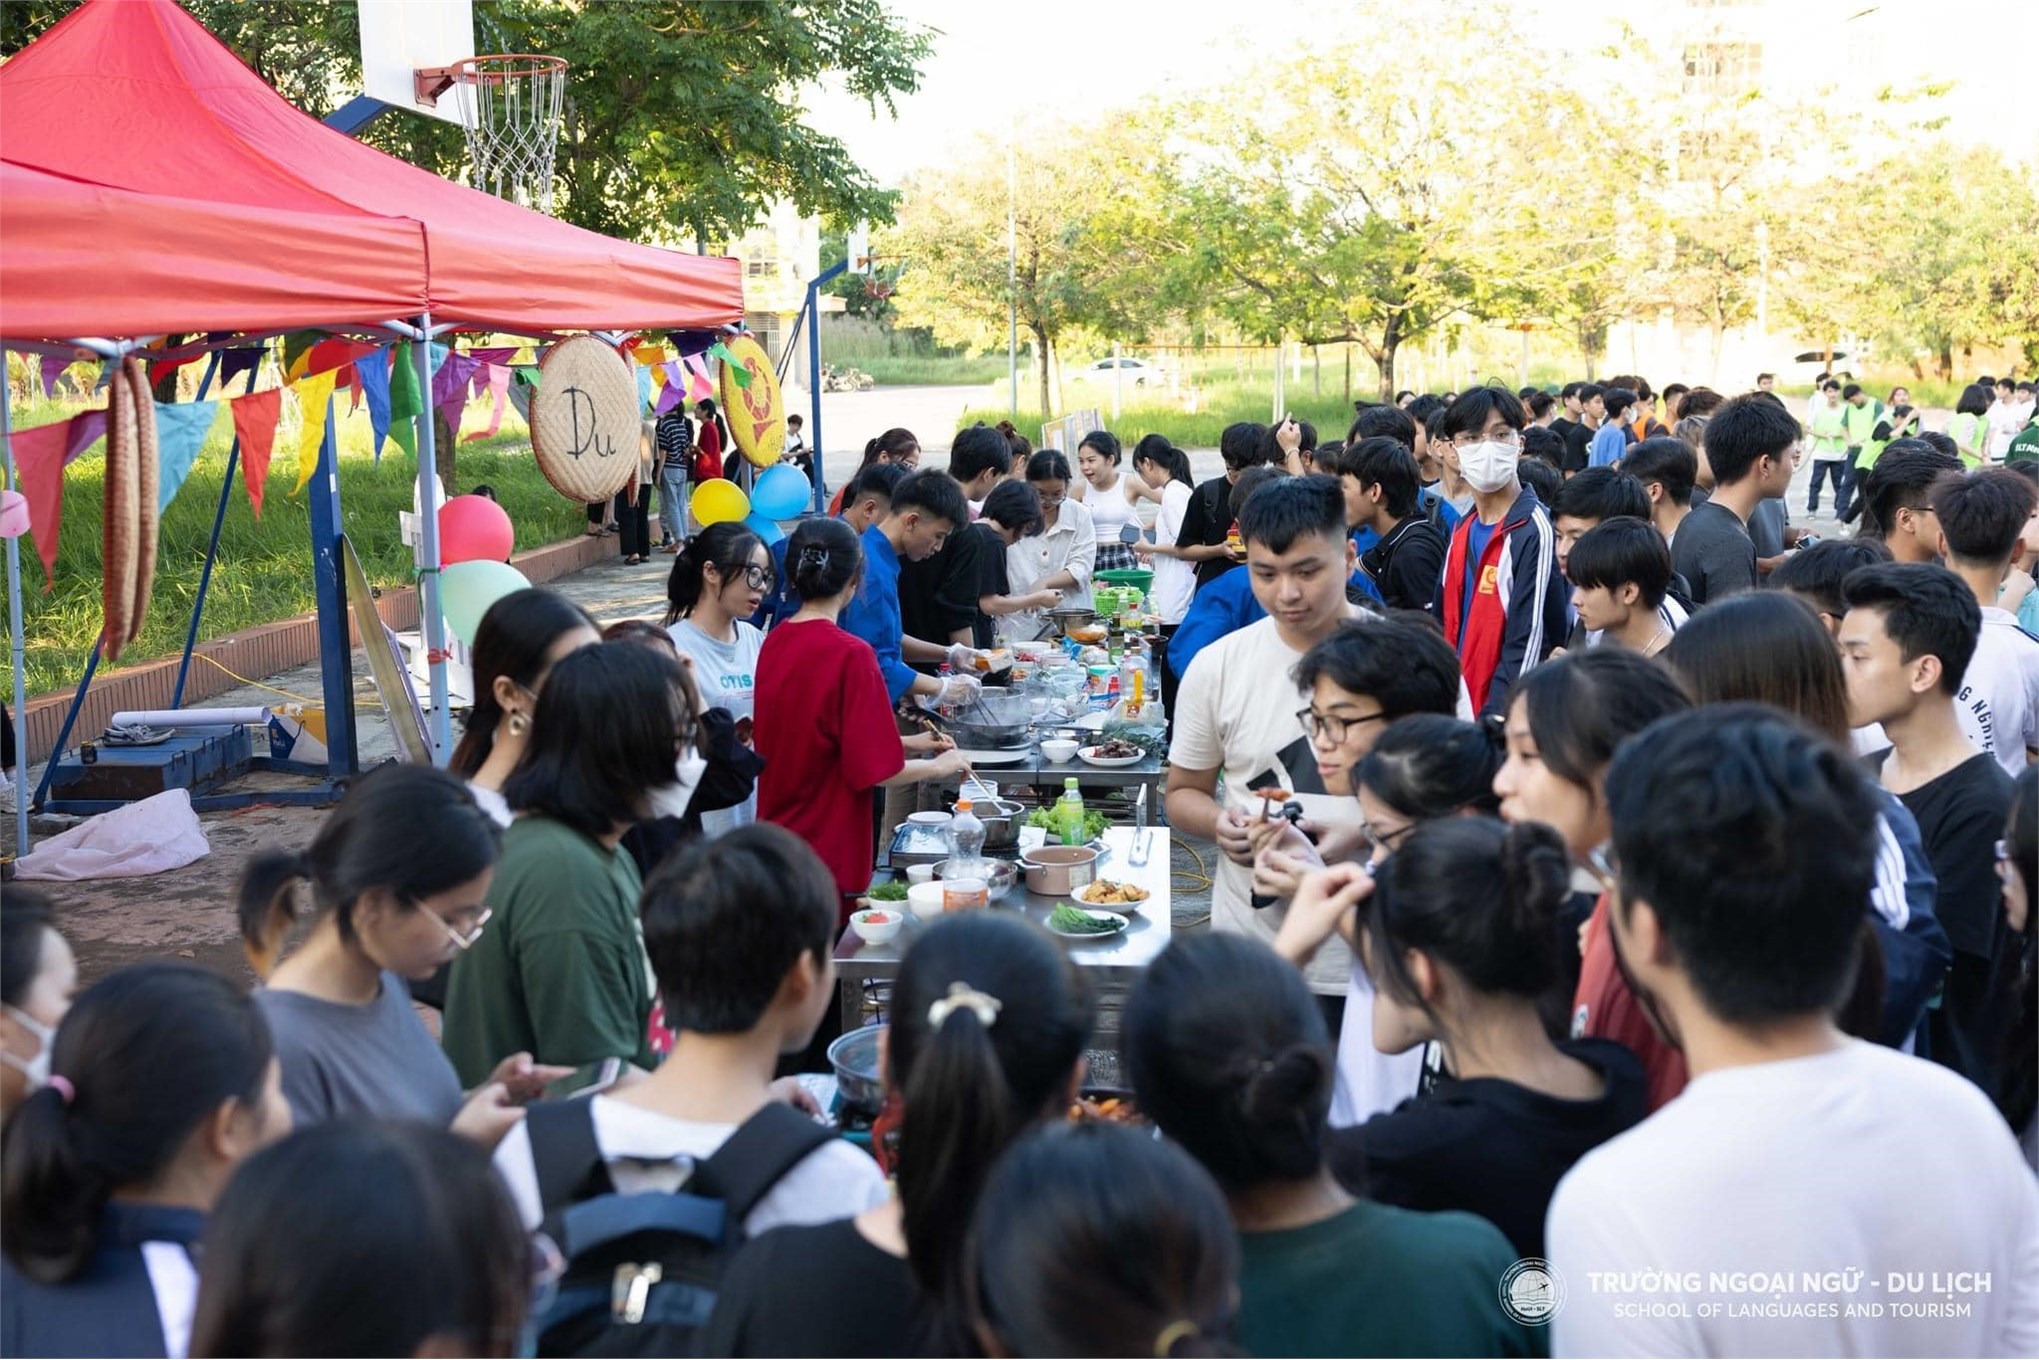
1860, 424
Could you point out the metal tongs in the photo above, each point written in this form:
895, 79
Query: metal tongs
1143, 835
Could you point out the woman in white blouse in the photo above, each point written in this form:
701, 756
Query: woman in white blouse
1063, 555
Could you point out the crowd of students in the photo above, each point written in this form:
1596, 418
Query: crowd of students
1653, 895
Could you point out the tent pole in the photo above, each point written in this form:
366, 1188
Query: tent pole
329, 588
219, 519
431, 622
814, 377
16, 635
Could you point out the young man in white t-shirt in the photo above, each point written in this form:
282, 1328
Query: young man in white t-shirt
740, 931
1235, 714
1807, 1194
1982, 518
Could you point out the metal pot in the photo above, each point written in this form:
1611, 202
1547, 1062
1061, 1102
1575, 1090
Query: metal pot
855, 1059
995, 721
1001, 820
998, 874
1058, 870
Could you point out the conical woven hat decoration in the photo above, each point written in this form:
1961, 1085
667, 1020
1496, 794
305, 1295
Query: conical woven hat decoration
584, 419
754, 407
122, 522
148, 468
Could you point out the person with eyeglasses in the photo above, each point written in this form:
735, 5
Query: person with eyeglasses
1059, 555
399, 876
718, 582
1501, 597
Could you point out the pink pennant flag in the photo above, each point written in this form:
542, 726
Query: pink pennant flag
499, 387
53, 366
39, 464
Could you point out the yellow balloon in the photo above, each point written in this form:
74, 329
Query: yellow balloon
719, 500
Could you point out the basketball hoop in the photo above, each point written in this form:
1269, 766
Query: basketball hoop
510, 105
877, 287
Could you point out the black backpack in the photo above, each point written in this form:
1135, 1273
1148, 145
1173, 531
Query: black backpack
642, 1270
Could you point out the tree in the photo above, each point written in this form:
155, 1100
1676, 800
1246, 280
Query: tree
1065, 272
1365, 210
682, 118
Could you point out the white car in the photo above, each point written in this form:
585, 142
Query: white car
1132, 373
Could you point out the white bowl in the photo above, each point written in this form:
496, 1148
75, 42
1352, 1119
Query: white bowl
928, 818
919, 873
924, 900
875, 932
1058, 749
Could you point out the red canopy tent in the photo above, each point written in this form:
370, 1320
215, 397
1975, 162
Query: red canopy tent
138, 95
81, 259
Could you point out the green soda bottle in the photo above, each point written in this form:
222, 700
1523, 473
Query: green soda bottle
1069, 814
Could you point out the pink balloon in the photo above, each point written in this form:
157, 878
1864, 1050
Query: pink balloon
474, 529
13, 514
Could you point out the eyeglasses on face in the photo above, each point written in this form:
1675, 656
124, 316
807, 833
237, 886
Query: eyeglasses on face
465, 936
1330, 726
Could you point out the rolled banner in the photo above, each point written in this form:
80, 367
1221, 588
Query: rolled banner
717, 500
752, 402
467, 589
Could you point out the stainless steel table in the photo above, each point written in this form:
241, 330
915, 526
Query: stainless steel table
1117, 959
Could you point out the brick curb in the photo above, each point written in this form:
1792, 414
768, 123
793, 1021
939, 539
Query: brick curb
260, 652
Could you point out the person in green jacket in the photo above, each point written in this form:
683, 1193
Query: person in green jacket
1860, 416
561, 973
1827, 439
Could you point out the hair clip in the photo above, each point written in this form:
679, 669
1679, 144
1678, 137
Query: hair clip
62, 1086
962, 996
1173, 1335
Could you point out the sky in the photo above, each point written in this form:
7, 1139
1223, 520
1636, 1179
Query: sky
1065, 60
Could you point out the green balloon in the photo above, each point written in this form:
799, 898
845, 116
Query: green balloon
467, 589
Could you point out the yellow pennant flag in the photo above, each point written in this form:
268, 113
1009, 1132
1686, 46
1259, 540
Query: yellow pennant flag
312, 395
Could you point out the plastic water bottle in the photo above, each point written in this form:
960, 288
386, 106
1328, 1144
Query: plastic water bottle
1069, 814
966, 832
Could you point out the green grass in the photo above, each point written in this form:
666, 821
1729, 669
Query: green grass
264, 570
913, 370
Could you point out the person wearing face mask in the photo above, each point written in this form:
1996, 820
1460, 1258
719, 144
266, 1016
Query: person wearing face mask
162, 1081
399, 874
1501, 597
37, 976
561, 972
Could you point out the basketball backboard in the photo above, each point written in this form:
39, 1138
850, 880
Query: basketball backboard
400, 36
859, 248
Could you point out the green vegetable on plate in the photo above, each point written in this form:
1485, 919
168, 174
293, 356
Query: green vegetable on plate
892, 890
1075, 921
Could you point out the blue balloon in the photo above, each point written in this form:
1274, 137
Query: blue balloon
781, 491
764, 528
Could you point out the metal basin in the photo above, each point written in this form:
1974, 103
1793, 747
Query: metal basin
855, 1059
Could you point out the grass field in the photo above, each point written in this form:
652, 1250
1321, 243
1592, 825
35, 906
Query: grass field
912, 370
264, 570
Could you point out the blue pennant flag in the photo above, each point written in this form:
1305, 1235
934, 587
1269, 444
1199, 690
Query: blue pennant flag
180, 429
371, 371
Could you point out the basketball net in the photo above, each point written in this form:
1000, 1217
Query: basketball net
511, 106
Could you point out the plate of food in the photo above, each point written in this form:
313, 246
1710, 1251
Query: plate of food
1107, 892
1112, 755
1085, 923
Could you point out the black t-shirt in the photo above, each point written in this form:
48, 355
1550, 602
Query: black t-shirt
1961, 815
1407, 564
1714, 553
939, 595
821, 1290
992, 579
1578, 447
1489, 1146
1207, 523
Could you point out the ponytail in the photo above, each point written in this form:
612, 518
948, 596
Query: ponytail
140, 1061
1477, 896
989, 1020
822, 558
266, 906
1168, 456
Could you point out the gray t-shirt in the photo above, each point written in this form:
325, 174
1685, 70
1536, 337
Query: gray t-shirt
727, 673
376, 1061
1713, 553
1767, 525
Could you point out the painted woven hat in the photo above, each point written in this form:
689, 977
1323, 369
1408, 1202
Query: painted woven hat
148, 489
122, 527
584, 419
754, 407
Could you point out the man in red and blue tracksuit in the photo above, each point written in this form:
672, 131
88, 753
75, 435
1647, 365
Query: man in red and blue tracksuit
1501, 598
